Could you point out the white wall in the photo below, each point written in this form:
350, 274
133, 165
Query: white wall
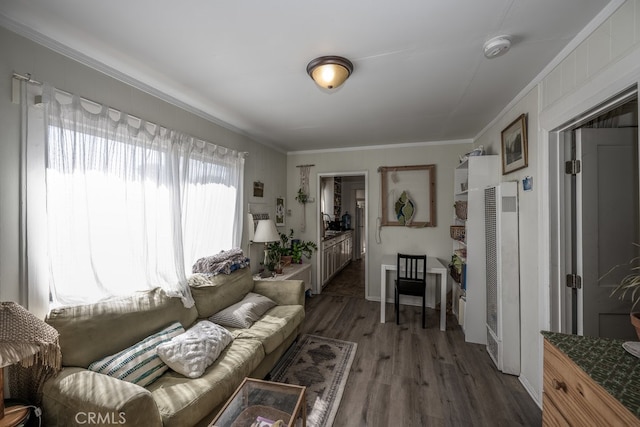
434, 241
23, 56
602, 65
529, 229
349, 188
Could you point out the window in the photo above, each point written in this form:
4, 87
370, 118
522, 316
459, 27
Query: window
131, 207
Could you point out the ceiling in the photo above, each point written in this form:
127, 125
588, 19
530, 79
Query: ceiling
419, 70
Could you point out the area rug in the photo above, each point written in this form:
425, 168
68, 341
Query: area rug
322, 365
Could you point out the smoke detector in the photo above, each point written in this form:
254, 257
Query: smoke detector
496, 46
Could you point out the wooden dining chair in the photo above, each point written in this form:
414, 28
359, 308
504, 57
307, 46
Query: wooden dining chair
411, 280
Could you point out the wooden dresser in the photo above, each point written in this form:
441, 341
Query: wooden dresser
589, 382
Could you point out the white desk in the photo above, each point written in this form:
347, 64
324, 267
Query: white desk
434, 266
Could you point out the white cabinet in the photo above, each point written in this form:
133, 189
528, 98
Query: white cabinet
336, 254
470, 179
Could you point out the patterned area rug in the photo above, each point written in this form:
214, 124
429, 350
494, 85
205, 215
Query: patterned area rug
322, 365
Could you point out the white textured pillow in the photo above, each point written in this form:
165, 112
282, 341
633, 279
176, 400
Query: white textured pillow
194, 351
242, 314
138, 364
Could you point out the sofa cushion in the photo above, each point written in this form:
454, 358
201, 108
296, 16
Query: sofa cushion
274, 327
191, 353
185, 401
242, 314
283, 292
93, 331
214, 293
140, 363
70, 397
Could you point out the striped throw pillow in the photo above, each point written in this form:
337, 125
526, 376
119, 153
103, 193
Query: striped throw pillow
140, 363
244, 313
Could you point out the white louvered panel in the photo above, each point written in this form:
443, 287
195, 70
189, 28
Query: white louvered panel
492, 261
502, 276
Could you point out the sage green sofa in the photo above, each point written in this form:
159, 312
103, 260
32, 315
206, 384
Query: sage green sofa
87, 333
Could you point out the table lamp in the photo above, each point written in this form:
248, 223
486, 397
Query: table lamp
266, 232
27, 340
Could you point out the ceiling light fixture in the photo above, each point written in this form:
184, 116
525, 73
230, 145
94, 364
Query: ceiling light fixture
496, 46
330, 72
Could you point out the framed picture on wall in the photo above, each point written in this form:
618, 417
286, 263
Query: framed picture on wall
280, 211
258, 189
514, 145
408, 195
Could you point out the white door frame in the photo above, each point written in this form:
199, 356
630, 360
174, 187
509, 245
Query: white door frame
321, 175
553, 253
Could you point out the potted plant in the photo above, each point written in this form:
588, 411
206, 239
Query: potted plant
285, 248
294, 249
630, 284
273, 257
302, 197
300, 248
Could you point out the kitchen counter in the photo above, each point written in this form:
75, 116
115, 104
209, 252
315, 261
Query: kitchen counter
606, 363
333, 235
336, 252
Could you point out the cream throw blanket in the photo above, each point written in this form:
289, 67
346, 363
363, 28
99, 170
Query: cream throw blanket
28, 340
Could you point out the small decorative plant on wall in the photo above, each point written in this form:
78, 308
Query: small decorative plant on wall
303, 193
302, 197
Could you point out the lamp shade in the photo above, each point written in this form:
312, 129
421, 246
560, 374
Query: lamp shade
266, 232
26, 339
330, 72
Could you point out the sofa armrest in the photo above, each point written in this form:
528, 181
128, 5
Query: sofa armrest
283, 292
77, 396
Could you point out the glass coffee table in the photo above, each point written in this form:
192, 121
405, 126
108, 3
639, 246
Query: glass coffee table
260, 403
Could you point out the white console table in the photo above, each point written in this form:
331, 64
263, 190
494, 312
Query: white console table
293, 272
434, 266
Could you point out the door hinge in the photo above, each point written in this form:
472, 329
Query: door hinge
572, 167
574, 281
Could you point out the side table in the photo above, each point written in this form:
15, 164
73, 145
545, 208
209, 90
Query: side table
293, 272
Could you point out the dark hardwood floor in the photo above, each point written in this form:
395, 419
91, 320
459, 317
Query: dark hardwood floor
349, 282
403, 375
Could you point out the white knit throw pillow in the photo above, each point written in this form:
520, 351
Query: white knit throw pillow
191, 353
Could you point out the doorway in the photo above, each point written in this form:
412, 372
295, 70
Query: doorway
342, 233
598, 154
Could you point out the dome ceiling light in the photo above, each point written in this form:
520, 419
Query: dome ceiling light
496, 46
330, 72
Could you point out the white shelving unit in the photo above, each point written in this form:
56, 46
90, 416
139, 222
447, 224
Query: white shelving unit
476, 173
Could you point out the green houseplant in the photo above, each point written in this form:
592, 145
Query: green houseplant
273, 257
302, 197
629, 285
296, 249
302, 248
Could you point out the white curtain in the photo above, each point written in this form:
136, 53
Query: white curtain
131, 205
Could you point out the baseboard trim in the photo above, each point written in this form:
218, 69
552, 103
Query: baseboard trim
532, 392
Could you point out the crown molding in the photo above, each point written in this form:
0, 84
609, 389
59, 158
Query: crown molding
383, 147
103, 68
598, 20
